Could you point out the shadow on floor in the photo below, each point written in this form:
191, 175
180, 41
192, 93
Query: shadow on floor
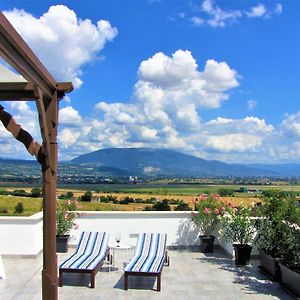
252, 280
137, 283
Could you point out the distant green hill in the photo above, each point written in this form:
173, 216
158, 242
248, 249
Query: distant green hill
161, 162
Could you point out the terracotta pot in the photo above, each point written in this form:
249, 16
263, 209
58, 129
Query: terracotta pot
62, 243
242, 254
207, 243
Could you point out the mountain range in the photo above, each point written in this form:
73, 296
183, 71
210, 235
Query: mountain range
162, 162
148, 162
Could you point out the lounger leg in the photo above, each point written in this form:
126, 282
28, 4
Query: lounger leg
125, 281
159, 282
60, 278
92, 279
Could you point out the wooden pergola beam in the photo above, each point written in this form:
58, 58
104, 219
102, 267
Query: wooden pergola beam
19, 55
17, 91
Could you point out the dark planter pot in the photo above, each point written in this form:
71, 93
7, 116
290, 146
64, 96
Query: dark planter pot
207, 243
62, 243
242, 254
270, 266
290, 280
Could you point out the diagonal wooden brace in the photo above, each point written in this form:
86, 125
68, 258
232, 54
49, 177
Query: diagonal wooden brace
44, 127
33, 147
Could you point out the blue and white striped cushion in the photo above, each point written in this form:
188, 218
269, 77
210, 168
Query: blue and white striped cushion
149, 253
89, 252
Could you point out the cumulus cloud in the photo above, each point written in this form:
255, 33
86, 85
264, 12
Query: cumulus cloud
291, 126
63, 42
167, 110
167, 82
68, 115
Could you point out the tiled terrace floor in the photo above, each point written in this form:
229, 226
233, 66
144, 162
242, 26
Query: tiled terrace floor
191, 275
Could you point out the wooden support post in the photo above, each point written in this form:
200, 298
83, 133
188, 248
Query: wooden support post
49, 272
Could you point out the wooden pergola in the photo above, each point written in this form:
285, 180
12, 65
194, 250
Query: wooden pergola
46, 92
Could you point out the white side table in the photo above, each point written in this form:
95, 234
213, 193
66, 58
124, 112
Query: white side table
113, 251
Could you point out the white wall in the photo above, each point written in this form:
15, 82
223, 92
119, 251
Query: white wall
21, 235
177, 225
24, 235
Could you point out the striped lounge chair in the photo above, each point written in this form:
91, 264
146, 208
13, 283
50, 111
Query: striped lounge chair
89, 255
149, 258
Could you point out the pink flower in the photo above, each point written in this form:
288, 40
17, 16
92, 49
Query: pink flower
194, 213
206, 210
216, 211
69, 202
66, 216
223, 207
202, 197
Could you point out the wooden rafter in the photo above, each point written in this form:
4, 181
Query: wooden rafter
19, 91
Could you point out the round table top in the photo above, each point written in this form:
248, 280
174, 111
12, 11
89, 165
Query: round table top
120, 246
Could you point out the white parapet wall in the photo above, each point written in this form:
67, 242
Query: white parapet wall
24, 235
177, 225
21, 235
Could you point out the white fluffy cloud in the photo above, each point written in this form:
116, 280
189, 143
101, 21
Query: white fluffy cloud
68, 115
62, 41
171, 81
169, 98
291, 126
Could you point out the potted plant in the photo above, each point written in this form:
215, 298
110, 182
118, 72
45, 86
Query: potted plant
240, 230
290, 249
208, 213
65, 216
270, 232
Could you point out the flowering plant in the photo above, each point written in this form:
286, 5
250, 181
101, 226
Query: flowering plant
240, 226
209, 211
65, 216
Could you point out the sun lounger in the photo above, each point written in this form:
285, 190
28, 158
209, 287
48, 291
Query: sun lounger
149, 258
89, 255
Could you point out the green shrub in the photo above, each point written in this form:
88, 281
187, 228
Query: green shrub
161, 206
183, 206
3, 210
36, 193
87, 196
19, 208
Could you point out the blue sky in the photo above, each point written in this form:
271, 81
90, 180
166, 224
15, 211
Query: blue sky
215, 79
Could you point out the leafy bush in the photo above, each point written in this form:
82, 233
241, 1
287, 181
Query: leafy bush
21, 193
3, 210
126, 200
183, 206
87, 196
161, 206
19, 208
36, 192
240, 226
223, 192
